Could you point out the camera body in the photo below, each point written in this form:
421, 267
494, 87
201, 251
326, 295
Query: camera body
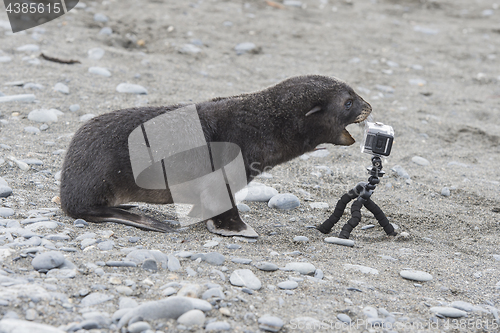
378, 139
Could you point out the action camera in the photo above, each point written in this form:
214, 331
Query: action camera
378, 139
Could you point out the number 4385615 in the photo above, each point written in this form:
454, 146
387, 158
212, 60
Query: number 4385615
33, 8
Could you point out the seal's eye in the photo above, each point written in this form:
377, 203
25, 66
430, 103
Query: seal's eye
348, 104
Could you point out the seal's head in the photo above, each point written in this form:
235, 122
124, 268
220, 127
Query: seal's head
326, 105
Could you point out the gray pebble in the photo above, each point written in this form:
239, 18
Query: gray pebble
61, 87
58, 237
213, 292
138, 327
96, 53
245, 47
288, 285
74, 107
106, 245
32, 130
318, 274
319, 205
86, 117
150, 265
245, 278
32, 161
420, 161
496, 257
43, 115
121, 263
106, 31
214, 258
445, 192
87, 242
233, 246
266, 266
189, 49
384, 89
366, 227
218, 326
99, 71
173, 264
400, 171
169, 291
5, 191
4, 59
370, 312
300, 239
98, 17
285, 201
13, 325
243, 207
127, 303
448, 312
339, 241
344, 318
129, 88
243, 261
27, 98
414, 275
301, 267
270, 323
28, 48
191, 318
464, 306
80, 222
48, 260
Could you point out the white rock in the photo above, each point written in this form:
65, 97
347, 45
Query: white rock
192, 317
319, 205
86, 117
129, 88
96, 53
244, 47
28, 48
256, 192
414, 275
245, 278
98, 17
448, 312
5, 59
22, 326
301, 267
99, 71
339, 241
189, 49
61, 87
18, 98
420, 161
43, 116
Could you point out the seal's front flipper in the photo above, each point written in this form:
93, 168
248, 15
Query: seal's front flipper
229, 223
118, 215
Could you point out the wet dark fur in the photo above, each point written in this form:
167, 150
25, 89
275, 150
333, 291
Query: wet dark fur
270, 127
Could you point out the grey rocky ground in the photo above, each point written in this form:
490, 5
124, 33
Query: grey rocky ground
428, 68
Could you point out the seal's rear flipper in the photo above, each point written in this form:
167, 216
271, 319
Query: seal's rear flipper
230, 224
118, 215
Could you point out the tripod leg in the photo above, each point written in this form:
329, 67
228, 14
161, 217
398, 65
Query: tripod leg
380, 216
354, 221
327, 226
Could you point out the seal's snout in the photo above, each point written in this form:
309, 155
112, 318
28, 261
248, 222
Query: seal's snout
365, 112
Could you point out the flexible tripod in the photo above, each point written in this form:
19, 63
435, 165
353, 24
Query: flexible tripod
362, 191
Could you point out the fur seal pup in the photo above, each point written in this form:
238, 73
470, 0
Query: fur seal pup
271, 126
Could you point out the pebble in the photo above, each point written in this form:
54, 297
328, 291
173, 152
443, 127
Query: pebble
189, 49
191, 318
190, 290
99, 71
214, 258
400, 171
301, 267
5, 191
6, 212
138, 327
74, 107
31, 85
344, 318
288, 285
448, 311
300, 239
420, 161
246, 47
370, 312
384, 89
319, 205
43, 115
11, 325
243, 261
48, 260
266, 266
233, 246
213, 292
285, 201
61, 87
114, 263
245, 278
87, 242
171, 307
86, 117
243, 207
270, 323
256, 192
98, 17
82, 222
150, 265
415, 275
368, 226
106, 31
218, 326
464, 306
425, 30
96, 53
445, 192
362, 269
173, 263
211, 244
27, 98
4, 59
28, 48
32, 161
417, 82
129, 88
339, 241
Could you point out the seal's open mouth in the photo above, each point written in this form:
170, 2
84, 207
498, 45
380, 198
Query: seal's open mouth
361, 118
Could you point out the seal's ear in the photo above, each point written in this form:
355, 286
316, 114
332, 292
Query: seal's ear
313, 110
